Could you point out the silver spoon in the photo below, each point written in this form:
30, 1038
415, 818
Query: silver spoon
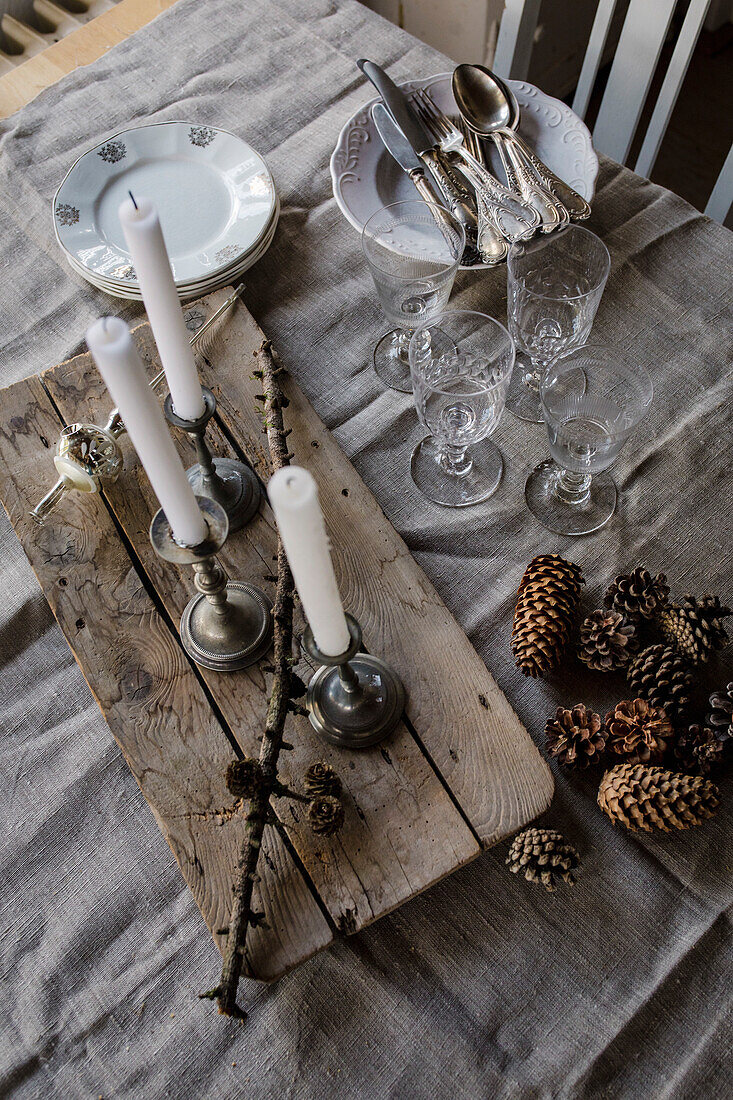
486, 104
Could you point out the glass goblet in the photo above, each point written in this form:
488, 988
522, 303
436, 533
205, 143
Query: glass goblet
554, 286
413, 249
461, 367
592, 399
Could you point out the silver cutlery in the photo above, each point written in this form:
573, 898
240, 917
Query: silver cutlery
490, 109
457, 199
511, 215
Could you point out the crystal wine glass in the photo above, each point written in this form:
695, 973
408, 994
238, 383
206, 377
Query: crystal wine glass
413, 249
461, 367
592, 399
554, 286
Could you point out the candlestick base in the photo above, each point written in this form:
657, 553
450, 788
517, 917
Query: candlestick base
354, 700
227, 625
231, 483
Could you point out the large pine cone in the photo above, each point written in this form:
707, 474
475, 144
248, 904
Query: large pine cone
638, 731
543, 855
546, 613
695, 626
637, 595
663, 677
576, 737
720, 718
699, 751
646, 798
608, 641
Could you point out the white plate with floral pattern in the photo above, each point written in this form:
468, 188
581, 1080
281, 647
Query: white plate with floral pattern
365, 177
214, 194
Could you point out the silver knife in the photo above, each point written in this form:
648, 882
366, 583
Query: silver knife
421, 144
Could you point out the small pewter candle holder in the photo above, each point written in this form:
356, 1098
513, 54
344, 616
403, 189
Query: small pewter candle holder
355, 699
228, 625
229, 482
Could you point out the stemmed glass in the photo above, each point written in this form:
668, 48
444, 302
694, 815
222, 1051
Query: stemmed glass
413, 249
554, 286
460, 382
592, 399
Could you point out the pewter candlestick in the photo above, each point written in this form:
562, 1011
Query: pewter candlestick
229, 482
228, 625
355, 699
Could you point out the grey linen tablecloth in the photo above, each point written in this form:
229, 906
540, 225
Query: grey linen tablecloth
485, 986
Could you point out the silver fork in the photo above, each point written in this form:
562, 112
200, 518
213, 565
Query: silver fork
514, 218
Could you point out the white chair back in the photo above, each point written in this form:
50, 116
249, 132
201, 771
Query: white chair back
643, 34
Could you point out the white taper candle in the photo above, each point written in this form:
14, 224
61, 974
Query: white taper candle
118, 362
141, 227
293, 495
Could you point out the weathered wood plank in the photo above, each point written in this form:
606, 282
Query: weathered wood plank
463, 719
402, 830
148, 692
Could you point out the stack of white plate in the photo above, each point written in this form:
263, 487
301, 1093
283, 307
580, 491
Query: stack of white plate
215, 196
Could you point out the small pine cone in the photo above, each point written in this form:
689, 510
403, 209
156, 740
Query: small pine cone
321, 779
663, 677
608, 641
646, 798
576, 737
546, 613
720, 718
637, 595
698, 750
244, 777
543, 855
325, 815
638, 732
695, 626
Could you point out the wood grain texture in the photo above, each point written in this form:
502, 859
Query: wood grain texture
462, 717
402, 830
147, 690
80, 47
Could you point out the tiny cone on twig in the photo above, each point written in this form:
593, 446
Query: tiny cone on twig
543, 856
641, 797
321, 779
546, 613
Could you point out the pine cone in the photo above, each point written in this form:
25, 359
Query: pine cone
244, 777
663, 677
576, 737
638, 731
646, 798
699, 751
325, 815
321, 779
695, 626
720, 718
637, 595
608, 641
543, 855
547, 610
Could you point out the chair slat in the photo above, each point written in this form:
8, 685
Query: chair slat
593, 55
721, 198
637, 54
516, 38
670, 89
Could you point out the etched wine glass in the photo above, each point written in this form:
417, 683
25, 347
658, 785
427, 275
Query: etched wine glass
554, 287
413, 249
461, 367
592, 399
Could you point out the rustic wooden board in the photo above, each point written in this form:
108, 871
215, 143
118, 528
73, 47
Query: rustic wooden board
460, 771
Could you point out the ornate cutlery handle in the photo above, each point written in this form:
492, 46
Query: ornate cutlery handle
574, 203
458, 198
514, 218
550, 210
